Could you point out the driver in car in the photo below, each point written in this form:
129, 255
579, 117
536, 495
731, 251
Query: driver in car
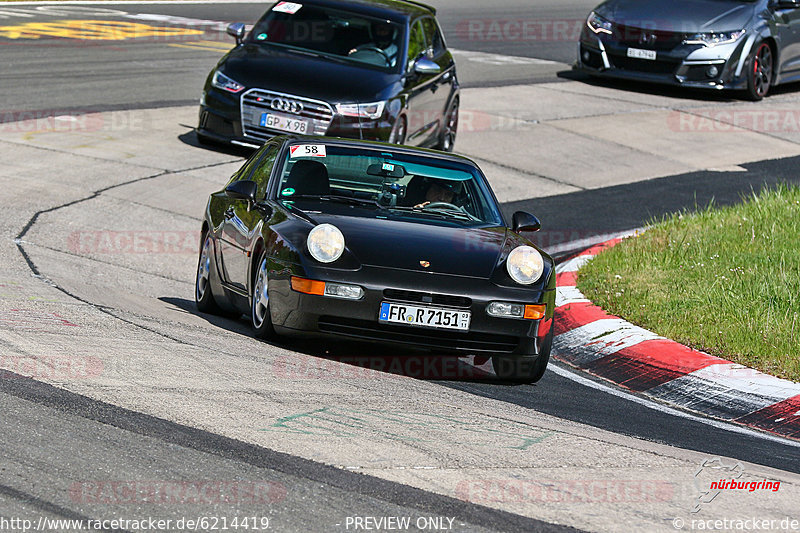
440, 191
383, 37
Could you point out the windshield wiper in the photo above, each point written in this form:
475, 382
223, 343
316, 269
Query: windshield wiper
308, 52
441, 213
459, 214
350, 200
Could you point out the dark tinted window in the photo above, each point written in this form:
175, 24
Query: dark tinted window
416, 43
334, 32
247, 168
264, 168
457, 193
433, 37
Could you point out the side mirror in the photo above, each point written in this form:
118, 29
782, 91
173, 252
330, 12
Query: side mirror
522, 221
236, 30
242, 190
425, 67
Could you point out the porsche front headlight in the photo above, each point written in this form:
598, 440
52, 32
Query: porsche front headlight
325, 243
525, 265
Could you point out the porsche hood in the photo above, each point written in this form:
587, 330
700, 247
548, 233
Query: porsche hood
472, 252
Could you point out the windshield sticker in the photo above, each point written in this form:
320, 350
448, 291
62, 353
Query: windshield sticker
287, 7
261, 36
307, 150
387, 167
288, 191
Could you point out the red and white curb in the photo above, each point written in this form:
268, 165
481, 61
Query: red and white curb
588, 338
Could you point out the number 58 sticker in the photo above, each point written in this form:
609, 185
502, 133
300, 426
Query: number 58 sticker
307, 150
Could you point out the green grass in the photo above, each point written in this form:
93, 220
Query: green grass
722, 280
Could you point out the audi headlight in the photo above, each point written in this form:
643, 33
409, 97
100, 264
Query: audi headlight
598, 24
714, 38
371, 111
525, 265
325, 243
221, 81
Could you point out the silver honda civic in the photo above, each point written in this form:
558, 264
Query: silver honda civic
747, 45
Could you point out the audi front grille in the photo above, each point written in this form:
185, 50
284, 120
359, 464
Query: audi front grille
256, 102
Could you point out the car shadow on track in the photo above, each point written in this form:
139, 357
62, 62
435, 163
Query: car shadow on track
190, 138
317, 359
656, 89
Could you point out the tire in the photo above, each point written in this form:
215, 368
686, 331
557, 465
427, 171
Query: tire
260, 317
203, 298
760, 67
399, 131
447, 139
524, 369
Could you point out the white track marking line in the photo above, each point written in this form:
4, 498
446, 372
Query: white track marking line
569, 295
588, 242
500, 59
606, 336
740, 377
733, 428
574, 264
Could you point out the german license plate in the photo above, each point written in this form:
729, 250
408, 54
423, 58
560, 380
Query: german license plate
428, 317
282, 123
638, 53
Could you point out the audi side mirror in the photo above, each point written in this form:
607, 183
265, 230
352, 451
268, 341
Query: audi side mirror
236, 30
522, 221
425, 67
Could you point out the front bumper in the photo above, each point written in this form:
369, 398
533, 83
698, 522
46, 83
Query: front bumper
295, 313
695, 66
221, 119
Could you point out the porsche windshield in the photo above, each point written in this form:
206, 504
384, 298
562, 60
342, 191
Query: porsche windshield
333, 33
396, 185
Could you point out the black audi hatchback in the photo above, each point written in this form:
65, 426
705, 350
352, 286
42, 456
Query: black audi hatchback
373, 70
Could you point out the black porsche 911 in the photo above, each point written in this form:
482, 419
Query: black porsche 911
342, 68
377, 242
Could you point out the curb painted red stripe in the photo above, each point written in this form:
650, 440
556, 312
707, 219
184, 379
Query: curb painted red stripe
651, 363
565, 279
597, 248
782, 418
652, 366
571, 316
